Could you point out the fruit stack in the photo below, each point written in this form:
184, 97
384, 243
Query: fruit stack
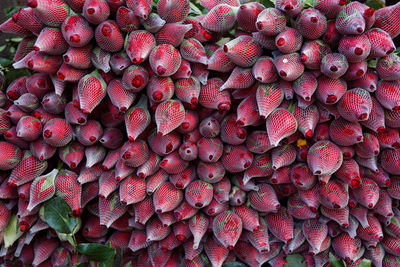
187, 136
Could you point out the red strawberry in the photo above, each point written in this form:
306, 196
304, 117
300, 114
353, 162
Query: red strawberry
199, 194
51, 41
27, 18
51, 13
271, 22
27, 169
137, 119
156, 231
68, 188
311, 23
173, 34
43, 249
280, 124
227, 227
263, 70
110, 209
132, 190
355, 105
291, 7
247, 16
334, 65
160, 89
213, 19
77, 31
381, 43
264, 199
289, 67
140, 44
42, 189
386, 19
92, 90
126, 19
198, 225
240, 78
289, 40
11, 156
141, 8
119, 96
57, 132
165, 60
153, 23
72, 154
173, 11
312, 53
166, 198
111, 138
219, 61
109, 37
235, 51
96, 11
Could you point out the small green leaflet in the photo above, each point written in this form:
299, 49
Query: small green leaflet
194, 9
335, 262
375, 4
268, 3
57, 215
96, 252
12, 10
295, 260
11, 232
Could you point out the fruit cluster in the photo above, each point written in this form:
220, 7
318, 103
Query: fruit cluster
247, 133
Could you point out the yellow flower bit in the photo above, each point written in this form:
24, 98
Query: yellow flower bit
301, 142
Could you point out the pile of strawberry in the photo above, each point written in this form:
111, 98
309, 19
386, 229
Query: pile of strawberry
247, 133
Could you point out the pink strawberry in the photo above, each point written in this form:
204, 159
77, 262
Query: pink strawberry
381, 43
213, 19
345, 246
227, 227
265, 199
173, 11
324, 158
247, 16
281, 224
27, 18
263, 70
10, 26
119, 96
334, 65
78, 57
219, 61
290, 7
173, 34
166, 198
92, 89
132, 190
312, 53
135, 153
388, 67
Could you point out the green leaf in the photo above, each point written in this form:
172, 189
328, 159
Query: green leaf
5, 62
365, 263
372, 64
9, 11
335, 262
118, 257
397, 51
268, 3
57, 215
375, 4
96, 252
11, 232
194, 9
309, 3
233, 264
295, 260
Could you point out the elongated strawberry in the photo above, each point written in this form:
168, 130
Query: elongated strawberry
51, 41
213, 19
110, 209
52, 13
280, 124
220, 61
27, 169
198, 225
42, 189
271, 21
386, 19
381, 43
169, 115
43, 249
126, 19
227, 227
243, 51
173, 34
92, 90
140, 44
26, 17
